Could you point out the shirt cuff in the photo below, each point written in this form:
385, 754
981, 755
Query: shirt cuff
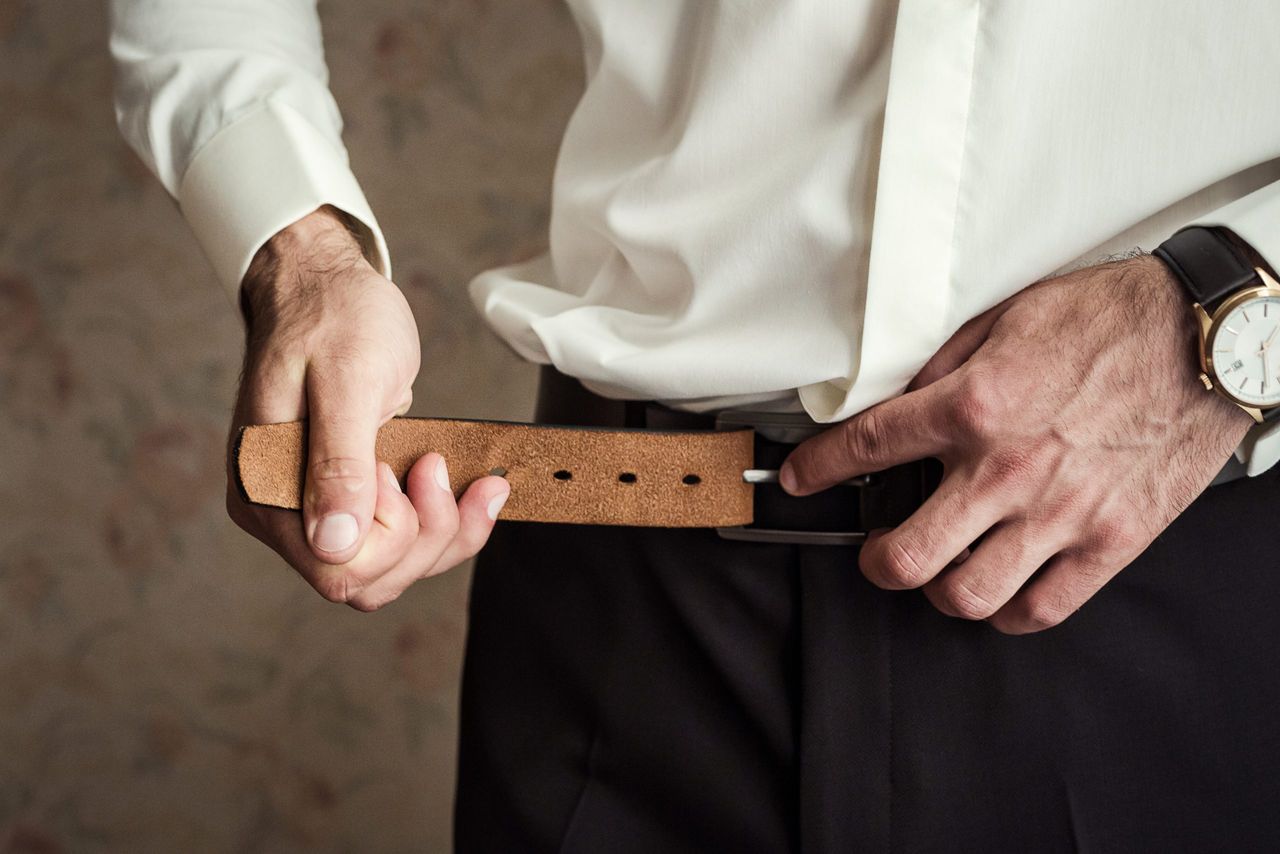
262, 172
1255, 219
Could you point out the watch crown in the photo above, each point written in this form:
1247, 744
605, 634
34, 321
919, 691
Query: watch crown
1208, 383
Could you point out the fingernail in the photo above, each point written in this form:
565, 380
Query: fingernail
442, 476
495, 504
391, 479
787, 477
336, 532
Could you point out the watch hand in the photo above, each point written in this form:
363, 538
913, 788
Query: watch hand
1270, 338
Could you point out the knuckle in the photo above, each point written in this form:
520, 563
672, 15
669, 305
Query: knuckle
959, 599
1044, 611
974, 408
1019, 315
366, 604
466, 546
445, 526
403, 537
864, 436
1118, 536
332, 472
340, 587
900, 565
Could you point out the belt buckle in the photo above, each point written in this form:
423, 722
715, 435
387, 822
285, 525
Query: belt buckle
792, 427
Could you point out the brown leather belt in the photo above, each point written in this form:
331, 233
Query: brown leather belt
590, 459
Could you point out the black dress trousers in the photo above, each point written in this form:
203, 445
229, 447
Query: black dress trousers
665, 690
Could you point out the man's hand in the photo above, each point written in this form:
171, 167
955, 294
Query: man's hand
1072, 429
331, 340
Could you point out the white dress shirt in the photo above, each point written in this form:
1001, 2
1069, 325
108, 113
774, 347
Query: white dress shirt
777, 204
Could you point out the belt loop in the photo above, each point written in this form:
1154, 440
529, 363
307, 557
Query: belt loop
635, 413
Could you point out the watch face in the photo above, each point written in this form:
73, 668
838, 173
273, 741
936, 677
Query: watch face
1245, 351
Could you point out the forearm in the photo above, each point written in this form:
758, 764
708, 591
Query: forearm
325, 240
186, 69
228, 103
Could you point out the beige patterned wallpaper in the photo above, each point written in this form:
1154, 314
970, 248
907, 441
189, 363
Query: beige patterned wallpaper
166, 683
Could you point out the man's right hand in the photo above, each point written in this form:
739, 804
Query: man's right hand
332, 341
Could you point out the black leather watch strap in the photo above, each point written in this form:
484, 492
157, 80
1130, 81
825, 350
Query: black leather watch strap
1211, 268
1208, 265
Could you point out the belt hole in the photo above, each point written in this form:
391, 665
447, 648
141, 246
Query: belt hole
627, 477
563, 475
691, 480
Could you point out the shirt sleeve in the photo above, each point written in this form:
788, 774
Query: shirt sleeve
1255, 218
227, 102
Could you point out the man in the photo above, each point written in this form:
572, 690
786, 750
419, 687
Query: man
905, 221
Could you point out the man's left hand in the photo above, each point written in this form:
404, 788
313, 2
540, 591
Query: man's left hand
1072, 429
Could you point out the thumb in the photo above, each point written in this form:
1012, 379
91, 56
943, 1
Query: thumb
341, 486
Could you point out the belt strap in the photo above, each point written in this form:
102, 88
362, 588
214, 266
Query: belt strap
578, 474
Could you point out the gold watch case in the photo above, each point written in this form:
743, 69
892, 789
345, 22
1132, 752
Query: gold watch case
1209, 326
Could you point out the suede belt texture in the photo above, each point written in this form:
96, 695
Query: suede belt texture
558, 473
589, 459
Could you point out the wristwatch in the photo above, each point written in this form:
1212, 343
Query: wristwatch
1237, 305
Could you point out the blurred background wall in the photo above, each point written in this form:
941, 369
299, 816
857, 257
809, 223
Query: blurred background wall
166, 682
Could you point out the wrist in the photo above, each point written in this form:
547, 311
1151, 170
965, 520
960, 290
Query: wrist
1162, 290
324, 225
322, 243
